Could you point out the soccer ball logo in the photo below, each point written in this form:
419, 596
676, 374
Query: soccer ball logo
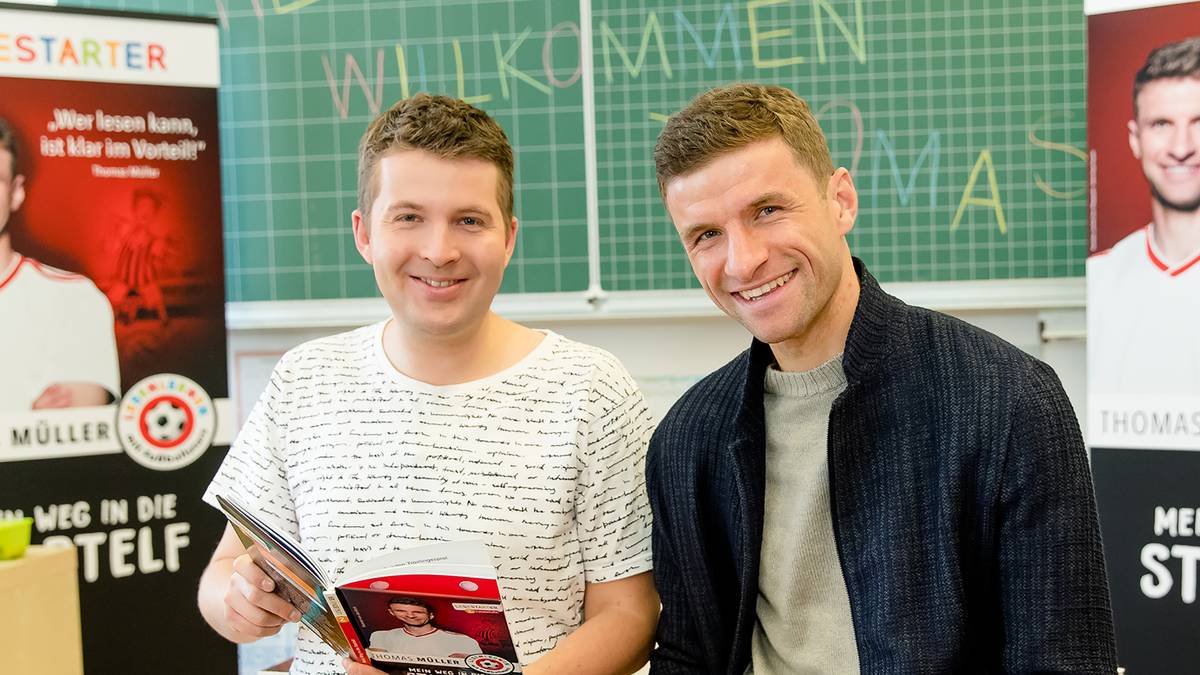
166, 421
487, 663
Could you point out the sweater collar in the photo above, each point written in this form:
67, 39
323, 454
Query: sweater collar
827, 377
875, 320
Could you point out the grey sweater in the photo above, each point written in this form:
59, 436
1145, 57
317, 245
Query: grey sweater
804, 624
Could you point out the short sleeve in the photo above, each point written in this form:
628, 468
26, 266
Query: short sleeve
104, 341
612, 508
254, 472
92, 356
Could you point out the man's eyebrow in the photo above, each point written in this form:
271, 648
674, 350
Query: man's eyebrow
690, 233
769, 199
473, 209
404, 206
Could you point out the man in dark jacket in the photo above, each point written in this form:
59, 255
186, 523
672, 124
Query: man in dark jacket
871, 487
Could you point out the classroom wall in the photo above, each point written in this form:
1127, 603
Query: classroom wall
667, 355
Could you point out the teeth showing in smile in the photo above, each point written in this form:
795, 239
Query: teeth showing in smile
439, 284
754, 293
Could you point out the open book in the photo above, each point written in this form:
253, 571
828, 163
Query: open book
432, 610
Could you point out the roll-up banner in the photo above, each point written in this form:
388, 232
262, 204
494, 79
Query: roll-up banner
114, 409
1143, 280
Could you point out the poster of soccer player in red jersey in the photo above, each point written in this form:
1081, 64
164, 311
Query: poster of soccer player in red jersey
1143, 279
113, 386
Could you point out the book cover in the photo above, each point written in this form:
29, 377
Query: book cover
430, 610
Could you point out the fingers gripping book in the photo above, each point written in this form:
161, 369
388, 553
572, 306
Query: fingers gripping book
432, 610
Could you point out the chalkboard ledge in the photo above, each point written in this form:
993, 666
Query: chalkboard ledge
946, 296
1010, 294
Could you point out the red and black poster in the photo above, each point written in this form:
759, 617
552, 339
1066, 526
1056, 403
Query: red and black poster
1143, 279
114, 410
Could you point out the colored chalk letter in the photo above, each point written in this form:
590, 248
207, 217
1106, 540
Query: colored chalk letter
758, 37
727, 21
342, 103
1060, 147
857, 42
504, 68
883, 146
458, 74
652, 28
291, 6
993, 200
403, 65
547, 48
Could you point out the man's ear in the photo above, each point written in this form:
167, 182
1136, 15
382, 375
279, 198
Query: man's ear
1135, 146
843, 199
510, 243
362, 235
18, 192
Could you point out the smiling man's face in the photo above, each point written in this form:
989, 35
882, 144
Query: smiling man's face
765, 237
1165, 137
437, 239
413, 616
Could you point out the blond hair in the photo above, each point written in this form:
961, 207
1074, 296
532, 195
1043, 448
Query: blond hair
443, 126
729, 118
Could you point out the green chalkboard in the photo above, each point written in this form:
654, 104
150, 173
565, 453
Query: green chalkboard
913, 94
963, 124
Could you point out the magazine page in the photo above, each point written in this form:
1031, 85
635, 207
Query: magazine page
438, 614
295, 580
437, 558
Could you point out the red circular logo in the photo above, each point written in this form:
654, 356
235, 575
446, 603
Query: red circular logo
166, 421
487, 663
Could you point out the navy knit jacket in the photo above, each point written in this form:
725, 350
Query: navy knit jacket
960, 493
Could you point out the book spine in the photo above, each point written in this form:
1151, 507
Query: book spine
339, 612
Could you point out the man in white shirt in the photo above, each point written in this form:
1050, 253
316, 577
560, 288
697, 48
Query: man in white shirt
1144, 293
418, 636
57, 348
448, 422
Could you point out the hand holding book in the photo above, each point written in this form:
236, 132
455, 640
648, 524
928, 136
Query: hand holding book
433, 610
251, 604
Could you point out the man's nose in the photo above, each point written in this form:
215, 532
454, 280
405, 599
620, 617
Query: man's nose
745, 253
440, 246
1184, 142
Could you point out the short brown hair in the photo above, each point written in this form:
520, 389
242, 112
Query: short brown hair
1175, 59
409, 600
444, 126
8, 141
729, 118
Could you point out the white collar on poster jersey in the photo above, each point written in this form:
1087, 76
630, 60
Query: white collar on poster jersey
1159, 260
10, 270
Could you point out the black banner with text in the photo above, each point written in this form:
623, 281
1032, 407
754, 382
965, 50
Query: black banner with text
114, 410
